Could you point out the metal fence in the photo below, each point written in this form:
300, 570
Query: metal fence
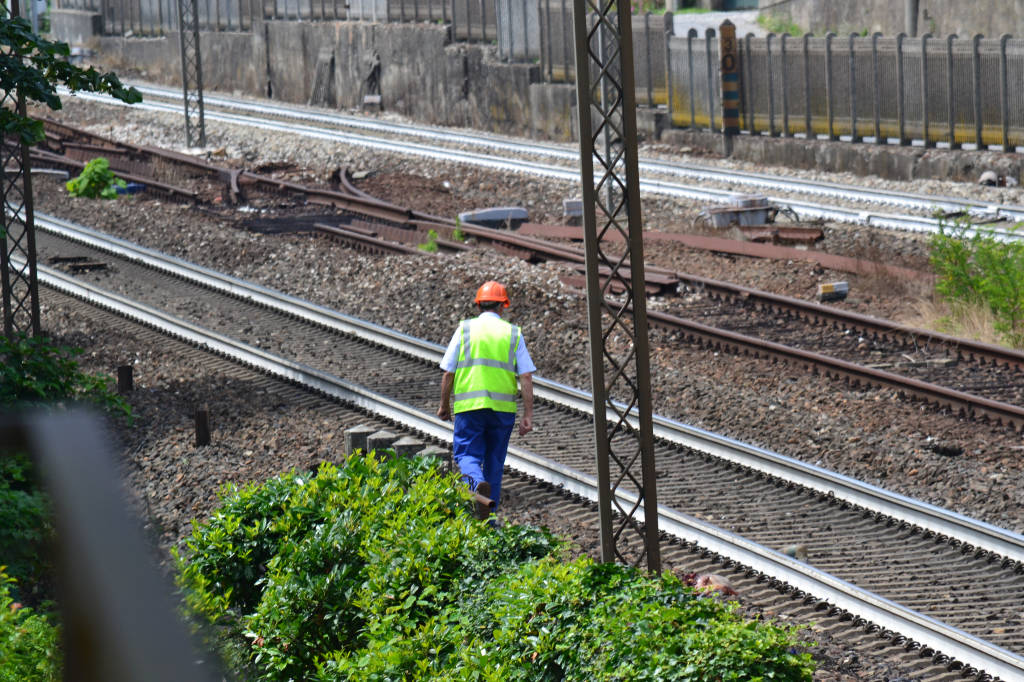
470, 19
951, 91
158, 17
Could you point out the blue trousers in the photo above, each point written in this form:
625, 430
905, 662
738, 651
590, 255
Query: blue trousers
479, 446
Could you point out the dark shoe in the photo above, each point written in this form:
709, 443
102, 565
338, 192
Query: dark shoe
483, 509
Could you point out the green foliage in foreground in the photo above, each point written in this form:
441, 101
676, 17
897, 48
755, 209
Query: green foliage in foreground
978, 268
377, 571
96, 181
28, 641
34, 371
25, 529
34, 67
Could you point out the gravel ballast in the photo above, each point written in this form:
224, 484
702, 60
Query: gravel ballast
869, 434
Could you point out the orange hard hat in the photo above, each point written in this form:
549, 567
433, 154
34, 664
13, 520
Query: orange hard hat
492, 291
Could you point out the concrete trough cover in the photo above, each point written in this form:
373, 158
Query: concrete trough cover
748, 201
572, 208
833, 291
501, 217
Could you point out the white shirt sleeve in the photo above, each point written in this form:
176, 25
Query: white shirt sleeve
451, 354
524, 365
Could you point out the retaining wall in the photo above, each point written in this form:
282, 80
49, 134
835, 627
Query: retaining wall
427, 78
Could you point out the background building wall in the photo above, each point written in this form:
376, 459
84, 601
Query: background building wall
990, 18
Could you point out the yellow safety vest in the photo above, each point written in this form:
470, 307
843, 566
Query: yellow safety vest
485, 374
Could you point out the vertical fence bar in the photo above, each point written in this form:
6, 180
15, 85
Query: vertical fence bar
747, 67
526, 32
565, 44
544, 17
976, 70
648, 60
901, 110
950, 103
924, 90
771, 84
876, 87
508, 20
829, 86
808, 133
1004, 92
853, 89
785, 84
669, 32
691, 35
709, 35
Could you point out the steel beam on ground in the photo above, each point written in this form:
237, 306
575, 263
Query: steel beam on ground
619, 352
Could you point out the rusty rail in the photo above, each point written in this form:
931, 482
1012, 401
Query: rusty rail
404, 225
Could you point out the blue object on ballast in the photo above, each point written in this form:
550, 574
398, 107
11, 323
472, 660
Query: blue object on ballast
507, 217
131, 188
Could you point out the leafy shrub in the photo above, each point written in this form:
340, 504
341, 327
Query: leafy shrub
378, 571
33, 371
974, 267
28, 641
430, 246
96, 181
25, 528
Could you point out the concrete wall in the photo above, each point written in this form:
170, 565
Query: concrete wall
422, 75
990, 18
427, 78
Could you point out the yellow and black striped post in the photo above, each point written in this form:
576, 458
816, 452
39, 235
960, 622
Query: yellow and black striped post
729, 56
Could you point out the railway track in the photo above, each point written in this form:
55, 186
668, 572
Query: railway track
852, 205
962, 376
942, 568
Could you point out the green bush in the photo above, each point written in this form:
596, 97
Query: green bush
96, 181
430, 246
29, 643
25, 529
378, 571
974, 267
35, 371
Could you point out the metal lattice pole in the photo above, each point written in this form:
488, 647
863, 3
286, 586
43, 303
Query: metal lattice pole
18, 257
191, 73
619, 352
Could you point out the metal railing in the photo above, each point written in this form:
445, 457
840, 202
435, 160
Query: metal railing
951, 91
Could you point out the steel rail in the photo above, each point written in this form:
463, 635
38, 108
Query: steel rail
929, 517
804, 209
866, 323
952, 642
921, 202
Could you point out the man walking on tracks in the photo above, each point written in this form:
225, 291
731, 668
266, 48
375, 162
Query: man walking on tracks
483, 359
